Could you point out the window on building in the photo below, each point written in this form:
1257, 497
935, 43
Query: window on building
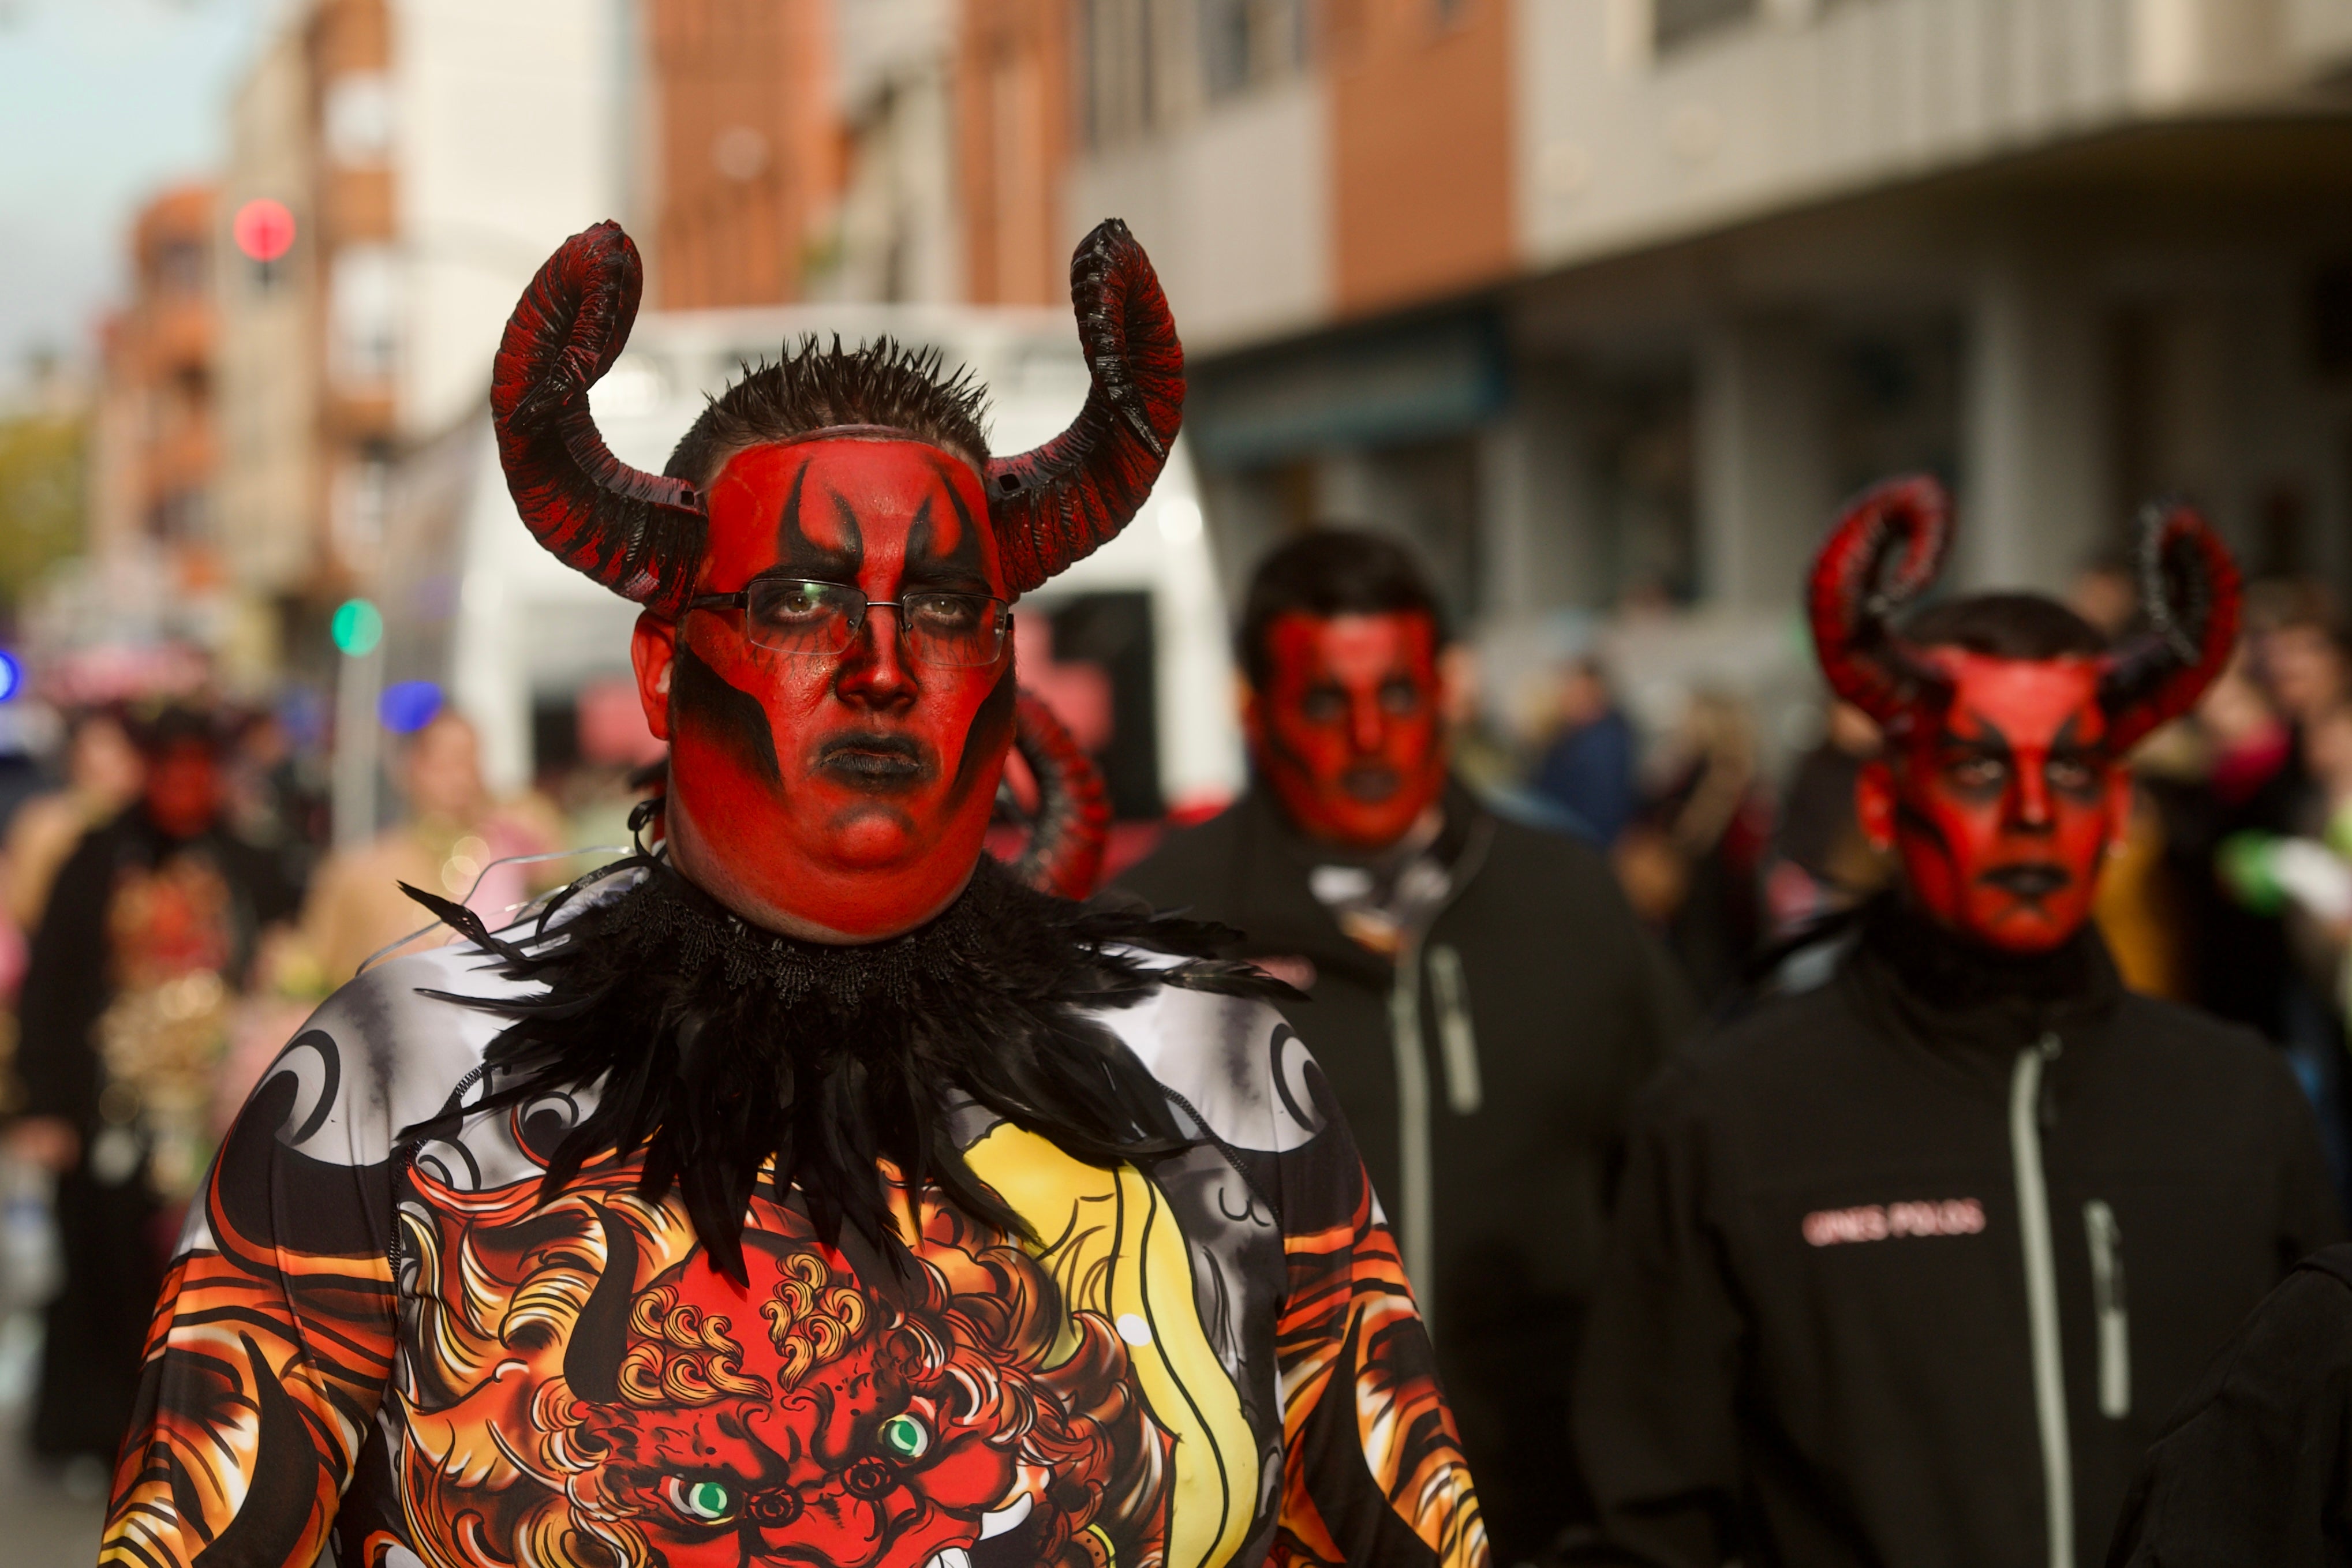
180, 266
1245, 42
1676, 22
363, 308
357, 112
1117, 97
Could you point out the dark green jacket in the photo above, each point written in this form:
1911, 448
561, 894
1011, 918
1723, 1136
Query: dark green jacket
1533, 1008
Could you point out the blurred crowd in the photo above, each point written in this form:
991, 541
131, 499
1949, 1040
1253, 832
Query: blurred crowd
171, 907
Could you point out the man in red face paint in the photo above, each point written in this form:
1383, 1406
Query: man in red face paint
1909, 1267
809, 1189
1483, 1002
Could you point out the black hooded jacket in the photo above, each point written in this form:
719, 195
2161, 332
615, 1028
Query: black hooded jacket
2254, 1470
1538, 1006
1908, 1269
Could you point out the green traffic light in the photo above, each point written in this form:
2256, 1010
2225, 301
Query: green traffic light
357, 628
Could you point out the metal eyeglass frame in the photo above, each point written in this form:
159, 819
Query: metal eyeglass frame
741, 600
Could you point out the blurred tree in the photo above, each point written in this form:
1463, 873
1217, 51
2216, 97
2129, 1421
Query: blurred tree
41, 473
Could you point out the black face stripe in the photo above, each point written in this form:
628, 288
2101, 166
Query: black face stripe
700, 698
968, 552
846, 515
992, 726
796, 550
1912, 822
963, 567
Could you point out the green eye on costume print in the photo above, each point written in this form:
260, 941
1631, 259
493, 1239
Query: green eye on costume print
904, 1436
706, 1502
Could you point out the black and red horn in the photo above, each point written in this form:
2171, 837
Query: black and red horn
2193, 592
639, 534
1887, 549
1071, 822
1065, 499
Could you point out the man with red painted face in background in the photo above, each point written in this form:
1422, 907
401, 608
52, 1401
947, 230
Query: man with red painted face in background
809, 1187
1907, 1268
1484, 1001
149, 925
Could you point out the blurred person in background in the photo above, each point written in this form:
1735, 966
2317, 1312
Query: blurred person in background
1691, 860
2304, 664
1483, 1002
149, 930
2253, 957
2249, 1472
1824, 862
450, 845
1589, 767
1865, 1298
2140, 911
274, 804
102, 776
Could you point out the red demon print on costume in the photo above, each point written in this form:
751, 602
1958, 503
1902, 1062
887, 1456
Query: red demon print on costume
674, 1416
2002, 787
1347, 728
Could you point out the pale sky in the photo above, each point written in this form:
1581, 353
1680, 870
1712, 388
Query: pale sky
102, 103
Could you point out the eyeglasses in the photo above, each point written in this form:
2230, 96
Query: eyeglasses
820, 619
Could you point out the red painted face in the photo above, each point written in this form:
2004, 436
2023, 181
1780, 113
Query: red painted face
1346, 731
849, 790
2003, 809
183, 790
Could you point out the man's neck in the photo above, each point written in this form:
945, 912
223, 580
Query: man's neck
694, 858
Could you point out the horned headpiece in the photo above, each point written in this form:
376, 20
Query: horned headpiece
1888, 549
641, 535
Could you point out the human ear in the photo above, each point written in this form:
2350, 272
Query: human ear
653, 650
2119, 809
1248, 703
1873, 805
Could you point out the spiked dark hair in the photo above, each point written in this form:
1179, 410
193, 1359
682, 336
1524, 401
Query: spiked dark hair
814, 386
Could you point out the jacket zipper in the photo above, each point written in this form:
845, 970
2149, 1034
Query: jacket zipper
1457, 1042
1412, 1117
1417, 1203
2025, 1106
2114, 1314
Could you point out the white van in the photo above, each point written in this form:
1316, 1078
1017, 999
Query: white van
524, 634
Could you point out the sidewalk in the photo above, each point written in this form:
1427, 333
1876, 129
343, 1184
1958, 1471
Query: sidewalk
42, 1524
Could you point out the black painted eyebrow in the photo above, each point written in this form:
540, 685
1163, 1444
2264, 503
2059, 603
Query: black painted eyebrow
796, 550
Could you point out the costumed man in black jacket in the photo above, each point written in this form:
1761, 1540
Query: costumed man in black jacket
1484, 1001
1866, 1293
150, 928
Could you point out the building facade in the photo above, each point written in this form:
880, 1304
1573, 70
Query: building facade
1608, 300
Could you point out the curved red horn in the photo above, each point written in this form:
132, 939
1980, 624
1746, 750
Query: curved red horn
1065, 840
639, 534
1889, 547
1066, 498
2193, 592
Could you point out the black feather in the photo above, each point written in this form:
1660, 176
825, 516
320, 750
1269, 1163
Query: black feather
717, 1047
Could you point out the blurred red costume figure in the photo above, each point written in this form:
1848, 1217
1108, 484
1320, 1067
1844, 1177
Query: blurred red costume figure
2001, 791
1866, 1299
1347, 730
810, 1188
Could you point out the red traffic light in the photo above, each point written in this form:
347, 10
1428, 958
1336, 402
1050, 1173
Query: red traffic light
263, 229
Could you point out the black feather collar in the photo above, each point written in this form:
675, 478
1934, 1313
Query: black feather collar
715, 1046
